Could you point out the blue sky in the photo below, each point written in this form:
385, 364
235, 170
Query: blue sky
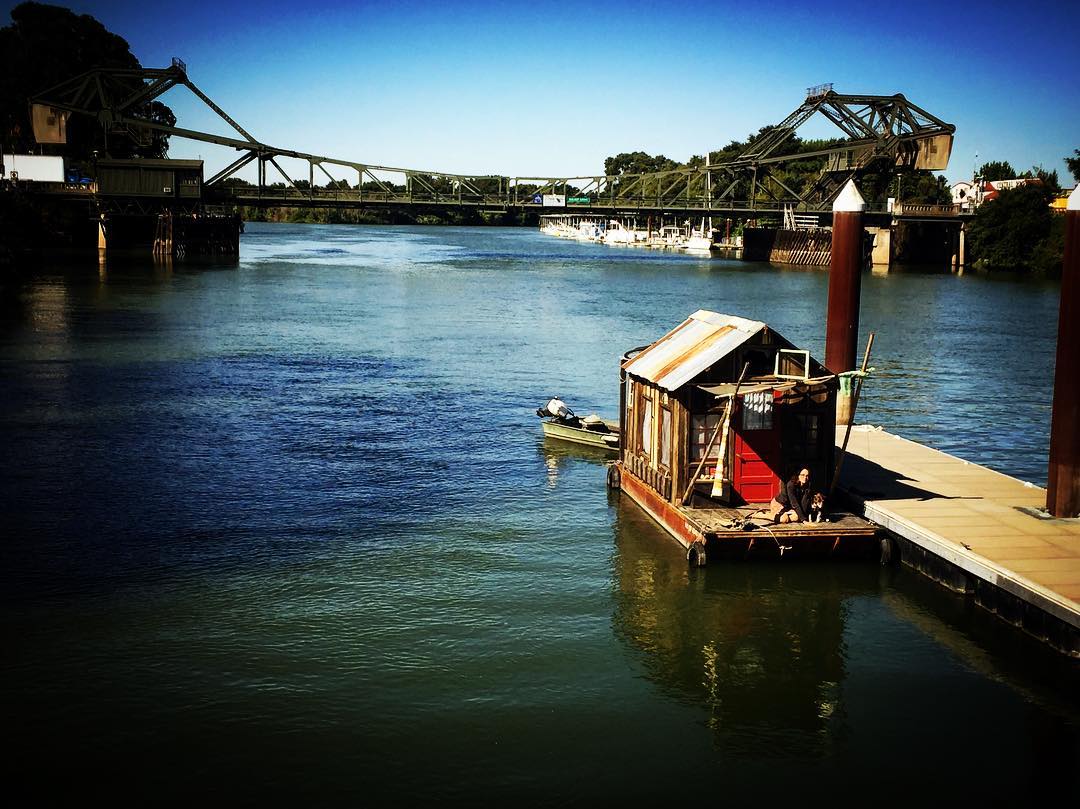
552, 88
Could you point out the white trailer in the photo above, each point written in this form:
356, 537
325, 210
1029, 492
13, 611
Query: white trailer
39, 168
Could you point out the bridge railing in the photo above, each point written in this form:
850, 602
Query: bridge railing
615, 204
910, 209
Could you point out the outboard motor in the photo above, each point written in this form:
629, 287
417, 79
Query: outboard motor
556, 409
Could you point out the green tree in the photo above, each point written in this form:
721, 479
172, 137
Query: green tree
1016, 231
637, 163
1047, 178
46, 45
1074, 164
996, 170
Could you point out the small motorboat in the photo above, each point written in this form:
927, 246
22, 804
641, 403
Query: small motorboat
560, 422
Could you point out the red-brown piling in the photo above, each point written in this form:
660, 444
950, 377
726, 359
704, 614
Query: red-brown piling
1063, 477
845, 286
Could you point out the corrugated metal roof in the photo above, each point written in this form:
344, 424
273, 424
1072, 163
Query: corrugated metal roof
691, 347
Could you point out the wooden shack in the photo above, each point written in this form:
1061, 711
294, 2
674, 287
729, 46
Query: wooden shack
715, 416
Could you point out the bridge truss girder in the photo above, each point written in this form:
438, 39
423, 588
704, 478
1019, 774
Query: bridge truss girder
874, 127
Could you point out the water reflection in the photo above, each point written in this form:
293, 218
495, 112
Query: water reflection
560, 455
759, 647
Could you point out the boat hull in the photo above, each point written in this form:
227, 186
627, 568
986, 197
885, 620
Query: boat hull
591, 438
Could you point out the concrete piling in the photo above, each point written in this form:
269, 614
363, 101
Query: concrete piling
845, 287
1063, 478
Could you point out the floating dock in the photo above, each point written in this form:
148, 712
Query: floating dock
972, 529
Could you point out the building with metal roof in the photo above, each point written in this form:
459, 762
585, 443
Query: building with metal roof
719, 412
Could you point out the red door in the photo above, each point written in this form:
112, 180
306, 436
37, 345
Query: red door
756, 477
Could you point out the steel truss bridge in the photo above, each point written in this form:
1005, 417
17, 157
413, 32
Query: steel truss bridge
873, 129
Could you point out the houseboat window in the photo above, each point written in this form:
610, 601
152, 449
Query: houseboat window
646, 426
665, 437
701, 429
792, 364
757, 410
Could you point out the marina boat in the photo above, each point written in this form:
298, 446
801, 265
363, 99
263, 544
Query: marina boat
589, 230
625, 231
573, 226
701, 238
671, 236
715, 417
618, 233
560, 422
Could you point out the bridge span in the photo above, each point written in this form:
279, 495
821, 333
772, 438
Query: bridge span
872, 131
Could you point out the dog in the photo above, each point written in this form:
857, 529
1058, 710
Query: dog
817, 508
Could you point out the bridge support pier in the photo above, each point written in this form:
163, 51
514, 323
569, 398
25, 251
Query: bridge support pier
959, 249
102, 235
882, 254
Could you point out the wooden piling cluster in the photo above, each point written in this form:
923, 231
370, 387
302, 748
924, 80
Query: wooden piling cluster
809, 247
806, 247
163, 236
189, 236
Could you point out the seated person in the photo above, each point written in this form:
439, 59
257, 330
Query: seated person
792, 502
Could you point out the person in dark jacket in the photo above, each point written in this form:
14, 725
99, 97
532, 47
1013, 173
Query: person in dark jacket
792, 502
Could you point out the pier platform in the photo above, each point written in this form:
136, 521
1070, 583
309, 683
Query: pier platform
974, 530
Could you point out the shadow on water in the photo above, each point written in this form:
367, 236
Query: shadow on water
976, 638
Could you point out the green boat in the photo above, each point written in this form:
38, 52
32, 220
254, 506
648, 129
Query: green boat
560, 422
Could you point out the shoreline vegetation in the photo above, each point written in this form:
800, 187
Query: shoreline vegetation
467, 217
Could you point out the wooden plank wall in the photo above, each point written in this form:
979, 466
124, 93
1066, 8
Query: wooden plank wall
812, 247
656, 479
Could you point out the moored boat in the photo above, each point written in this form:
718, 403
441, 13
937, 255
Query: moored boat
560, 422
701, 239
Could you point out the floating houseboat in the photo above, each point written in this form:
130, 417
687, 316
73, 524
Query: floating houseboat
715, 417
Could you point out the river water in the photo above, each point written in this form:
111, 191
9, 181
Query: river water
288, 528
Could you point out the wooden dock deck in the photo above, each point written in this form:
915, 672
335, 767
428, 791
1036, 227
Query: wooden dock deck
842, 534
973, 529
